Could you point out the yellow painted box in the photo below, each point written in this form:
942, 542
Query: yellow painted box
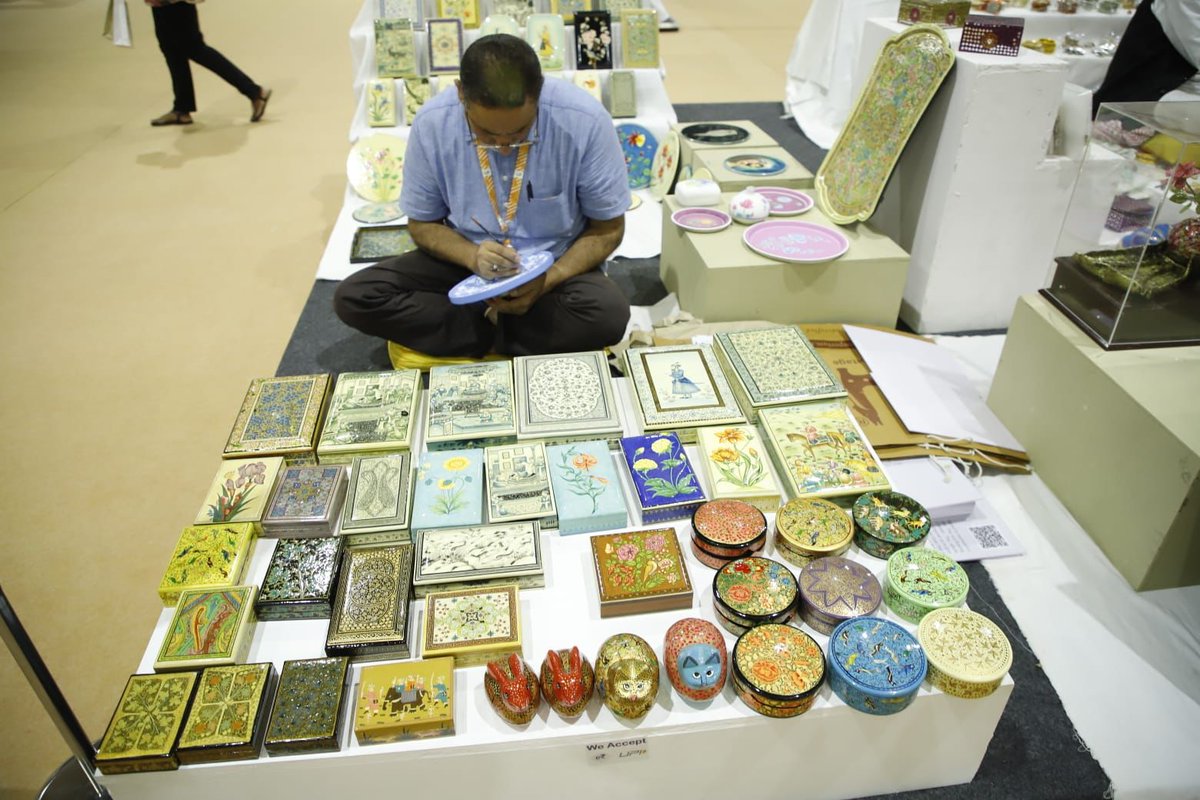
240, 490
207, 557
229, 714
144, 728
405, 700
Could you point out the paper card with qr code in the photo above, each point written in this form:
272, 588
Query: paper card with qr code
981, 535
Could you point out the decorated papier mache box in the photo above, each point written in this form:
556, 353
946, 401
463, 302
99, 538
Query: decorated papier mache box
638, 572
307, 716
370, 612
448, 489
470, 405
680, 388
473, 625
566, 397
208, 629
240, 490
518, 484
207, 557
300, 579
663, 480
407, 700
587, 489
229, 714
734, 462
144, 728
774, 366
378, 500
370, 413
280, 417
478, 555
306, 502
943, 13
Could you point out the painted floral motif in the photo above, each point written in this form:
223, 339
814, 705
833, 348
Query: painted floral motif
892, 516
305, 493
416, 92
821, 448
367, 607
575, 469
779, 661
381, 103
301, 569
520, 10
593, 40
207, 555
308, 702
375, 167
226, 706
696, 659
968, 653
148, 716
378, 243
241, 485
777, 364
445, 44
639, 146
566, 387
799, 242
755, 164
380, 486
738, 463
755, 587
466, 10
639, 563
661, 472
473, 616
813, 524
729, 522
279, 410
639, 36
627, 675
205, 625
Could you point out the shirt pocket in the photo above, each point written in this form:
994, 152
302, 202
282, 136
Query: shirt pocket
549, 217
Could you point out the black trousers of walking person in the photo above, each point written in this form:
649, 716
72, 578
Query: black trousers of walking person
1146, 65
177, 27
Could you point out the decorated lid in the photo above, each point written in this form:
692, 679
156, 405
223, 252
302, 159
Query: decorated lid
778, 662
837, 588
892, 517
965, 645
755, 589
728, 523
877, 655
927, 577
813, 526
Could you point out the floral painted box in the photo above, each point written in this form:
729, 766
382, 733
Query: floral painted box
566, 397
378, 500
820, 451
300, 579
407, 700
307, 715
370, 611
773, 367
473, 625
306, 501
470, 405
370, 413
680, 388
207, 557
734, 462
280, 417
448, 490
240, 490
208, 629
587, 489
663, 480
144, 728
478, 555
639, 572
229, 714
518, 484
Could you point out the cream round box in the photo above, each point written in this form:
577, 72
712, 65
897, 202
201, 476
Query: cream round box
920, 580
754, 591
811, 528
728, 529
885, 522
696, 659
968, 654
697, 192
875, 665
777, 670
835, 589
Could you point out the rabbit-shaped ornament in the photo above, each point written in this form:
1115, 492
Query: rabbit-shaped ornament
512, 689
567, 681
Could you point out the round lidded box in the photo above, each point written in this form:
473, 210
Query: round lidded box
885, 522
835, 589
753, 591
777, 670
809, 528
728, 528
920, 580
875, 665
968, 653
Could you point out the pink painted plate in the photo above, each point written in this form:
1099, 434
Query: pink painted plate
701, 220
785, 202
795, 242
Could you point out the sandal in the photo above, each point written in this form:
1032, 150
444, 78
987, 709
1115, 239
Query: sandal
172, 118
260, 105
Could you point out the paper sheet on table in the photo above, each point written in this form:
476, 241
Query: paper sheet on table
643, 229
928, 389
981, 535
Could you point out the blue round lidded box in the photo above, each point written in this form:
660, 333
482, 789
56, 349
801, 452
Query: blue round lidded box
875, 665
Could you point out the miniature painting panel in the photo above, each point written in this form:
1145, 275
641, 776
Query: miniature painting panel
240, 490
779, 363
205, 625
371, 408
449, 489
445, 44
660, 470
589, 81
639, 38
456, 554
520, 10
400, 9
518, 483
466, 10
593, 40
471, 401
822, 449
567, 9
395, 48
680, 380
416, 92
547, 36
393, 696
225, 711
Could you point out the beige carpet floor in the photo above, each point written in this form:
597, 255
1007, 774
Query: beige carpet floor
148, 274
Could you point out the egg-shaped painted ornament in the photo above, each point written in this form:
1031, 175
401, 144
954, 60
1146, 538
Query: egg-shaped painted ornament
567, 681
627, 675
696, 658
512, 689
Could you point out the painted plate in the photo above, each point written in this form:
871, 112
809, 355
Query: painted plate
666, 164
795, 242
635, 201
785, 202
499, 23
475, 289
639, 146
375, 167
754, 164
715, 133
701, 220
377, 212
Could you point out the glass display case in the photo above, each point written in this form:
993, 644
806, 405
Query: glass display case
1127, 263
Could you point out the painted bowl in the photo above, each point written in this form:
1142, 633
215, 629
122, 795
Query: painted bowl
567, 681
920, 580
811, 528
835, 589
627, 675
696, 658
778, 668
875, 665
512, 689
729, 527
968, 653
754, 591
885, 522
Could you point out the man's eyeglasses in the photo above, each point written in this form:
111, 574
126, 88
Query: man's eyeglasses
530, 138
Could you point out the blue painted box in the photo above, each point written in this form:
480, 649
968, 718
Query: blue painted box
663, 480
875, 665
587, 488
448, 489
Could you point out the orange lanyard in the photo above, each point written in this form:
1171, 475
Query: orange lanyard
514, 192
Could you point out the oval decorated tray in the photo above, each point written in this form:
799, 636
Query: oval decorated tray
715, 133
795, 242
754, 164
701, 220
666, 164
475, 289
375, 213
785, 202
375, 167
